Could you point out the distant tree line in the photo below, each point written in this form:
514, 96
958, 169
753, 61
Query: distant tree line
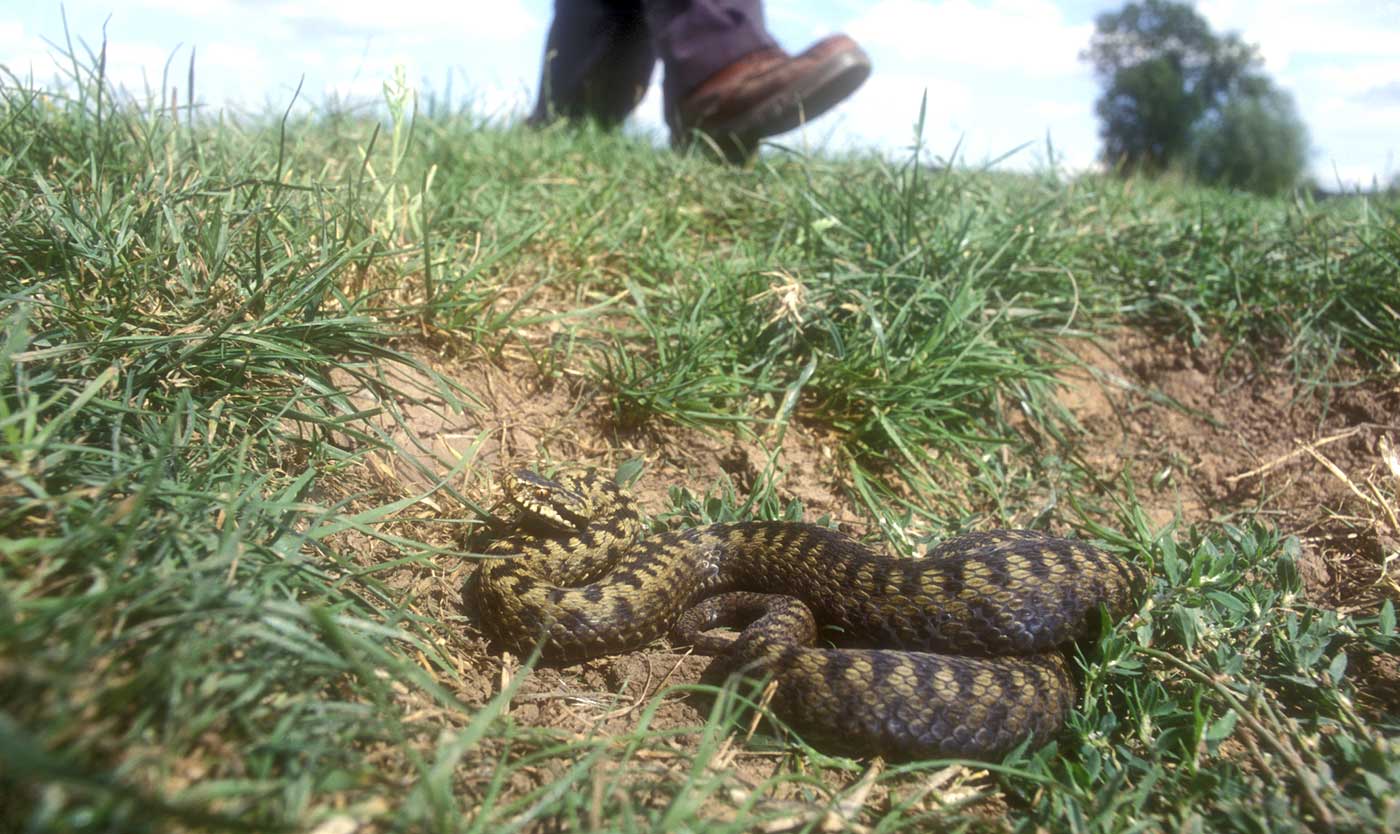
1177, 96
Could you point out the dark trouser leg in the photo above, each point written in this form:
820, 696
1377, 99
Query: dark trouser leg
597, 63
697, 38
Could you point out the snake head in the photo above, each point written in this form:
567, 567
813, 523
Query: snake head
550, 503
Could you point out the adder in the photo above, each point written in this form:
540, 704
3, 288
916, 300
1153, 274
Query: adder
958, 653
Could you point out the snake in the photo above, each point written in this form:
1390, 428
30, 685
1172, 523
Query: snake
958, 653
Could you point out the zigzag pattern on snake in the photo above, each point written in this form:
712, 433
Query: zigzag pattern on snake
956, 653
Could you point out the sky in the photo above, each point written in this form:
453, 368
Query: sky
1002, 76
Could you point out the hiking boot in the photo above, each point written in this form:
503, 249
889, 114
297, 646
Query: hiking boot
769, 92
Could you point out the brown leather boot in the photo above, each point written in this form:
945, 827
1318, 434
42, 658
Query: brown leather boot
767, 93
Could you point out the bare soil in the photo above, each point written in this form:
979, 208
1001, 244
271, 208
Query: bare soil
1217, 440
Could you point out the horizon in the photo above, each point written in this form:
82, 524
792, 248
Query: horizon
1002, 76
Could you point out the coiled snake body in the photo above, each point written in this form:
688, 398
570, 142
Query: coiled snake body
969, 636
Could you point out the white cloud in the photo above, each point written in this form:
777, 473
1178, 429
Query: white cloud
24, 53
885, 109
1288, 30
794, 19
1026, 36
1357, 79
1062, 109
135, 66
417, 19
232, 55
1355, 176
1344, 116
202, 9
1000, 75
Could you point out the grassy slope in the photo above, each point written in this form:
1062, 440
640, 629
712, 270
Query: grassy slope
179, 637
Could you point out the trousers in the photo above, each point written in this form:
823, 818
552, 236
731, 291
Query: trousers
600, 54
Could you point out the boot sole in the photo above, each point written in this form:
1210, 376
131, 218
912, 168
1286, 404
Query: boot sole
824, 88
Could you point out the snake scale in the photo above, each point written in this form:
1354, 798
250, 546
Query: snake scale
957, 653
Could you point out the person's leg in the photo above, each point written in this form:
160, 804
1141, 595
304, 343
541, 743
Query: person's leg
598, 61
695, 39
726, 77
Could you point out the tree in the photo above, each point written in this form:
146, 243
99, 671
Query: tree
1169, 82
1256, 142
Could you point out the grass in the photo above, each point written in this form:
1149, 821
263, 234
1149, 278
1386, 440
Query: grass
201, 318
